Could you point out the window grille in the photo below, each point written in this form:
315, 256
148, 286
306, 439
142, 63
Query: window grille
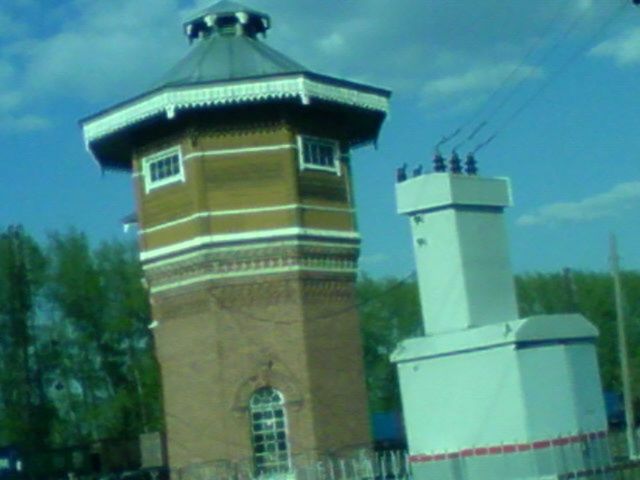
319, 154
163, 168
269, 432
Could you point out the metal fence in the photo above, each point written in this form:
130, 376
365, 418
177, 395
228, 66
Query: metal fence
365, 465
370, 466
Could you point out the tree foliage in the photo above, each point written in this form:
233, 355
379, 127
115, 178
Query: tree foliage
391, 313
77, 361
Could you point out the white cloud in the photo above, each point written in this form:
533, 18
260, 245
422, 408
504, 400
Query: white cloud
10, 26
623, 49
94, 50
113, 48
476, 81
608, 204
23, 123
6, 72
585, 4
9, 101
333, 43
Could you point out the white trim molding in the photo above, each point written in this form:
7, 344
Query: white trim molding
170, 101
244, 236
243, 211
240, 151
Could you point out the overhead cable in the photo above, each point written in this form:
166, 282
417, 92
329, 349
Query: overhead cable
354, 306
537, 92
505, 81
517, 86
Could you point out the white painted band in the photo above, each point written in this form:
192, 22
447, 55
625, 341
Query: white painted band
233, 151
243, 211
239, 151
252, 235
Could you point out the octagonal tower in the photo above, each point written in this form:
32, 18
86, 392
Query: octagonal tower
240, 161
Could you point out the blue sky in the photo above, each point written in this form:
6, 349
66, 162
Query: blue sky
573, 153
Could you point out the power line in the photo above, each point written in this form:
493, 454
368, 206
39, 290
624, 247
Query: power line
359, 305
536, 93
336, 313
505, 81
547, 55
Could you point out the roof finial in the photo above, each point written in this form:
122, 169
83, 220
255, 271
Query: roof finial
227, 18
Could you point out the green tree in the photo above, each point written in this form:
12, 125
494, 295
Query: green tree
591, 294
131, 363
27, 413
108, 378
390, 312
76, 356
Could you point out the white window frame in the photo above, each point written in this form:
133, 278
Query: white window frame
335, 145
271, 463
147, 161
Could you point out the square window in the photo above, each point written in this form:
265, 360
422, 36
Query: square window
162, 168
319, 154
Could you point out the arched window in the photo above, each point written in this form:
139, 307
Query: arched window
269, 431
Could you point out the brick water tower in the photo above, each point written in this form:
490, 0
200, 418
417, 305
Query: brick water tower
240, 159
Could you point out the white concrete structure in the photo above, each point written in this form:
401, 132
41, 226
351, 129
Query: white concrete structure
487, 395
461, 249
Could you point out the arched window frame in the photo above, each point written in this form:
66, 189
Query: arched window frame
269, 431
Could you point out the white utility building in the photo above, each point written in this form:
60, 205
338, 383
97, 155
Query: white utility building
487, 395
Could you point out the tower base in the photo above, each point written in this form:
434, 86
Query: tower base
513, 400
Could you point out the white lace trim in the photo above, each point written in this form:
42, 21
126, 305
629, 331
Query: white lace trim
207, 96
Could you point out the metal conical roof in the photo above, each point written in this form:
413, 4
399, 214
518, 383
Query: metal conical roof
219, 58
227, 48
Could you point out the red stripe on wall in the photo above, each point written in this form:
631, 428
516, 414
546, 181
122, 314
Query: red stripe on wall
509, 448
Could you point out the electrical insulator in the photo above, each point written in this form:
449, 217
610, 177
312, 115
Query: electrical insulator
455, 165
471, 165
439, 164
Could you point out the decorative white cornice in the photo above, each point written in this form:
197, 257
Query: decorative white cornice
169, 101
262, 268
243, 249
